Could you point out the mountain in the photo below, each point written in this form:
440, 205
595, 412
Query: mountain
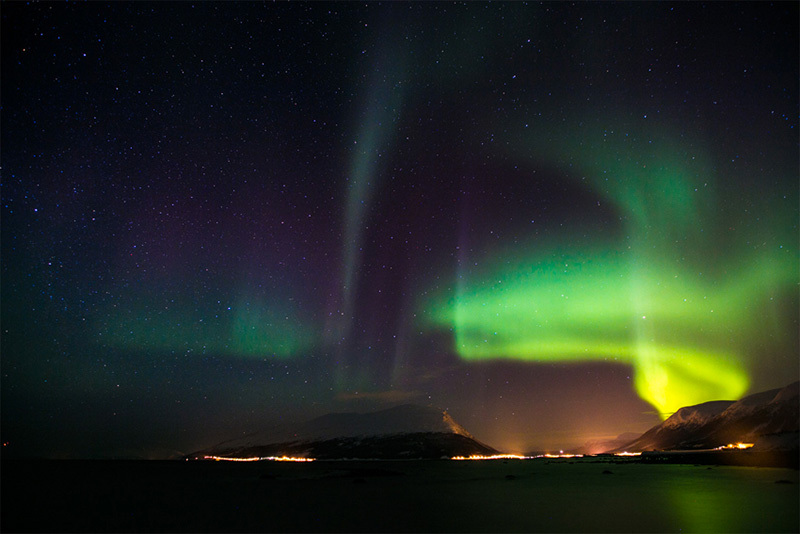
769, 419
403, 419
401, 432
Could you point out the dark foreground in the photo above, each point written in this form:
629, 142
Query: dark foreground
586, 495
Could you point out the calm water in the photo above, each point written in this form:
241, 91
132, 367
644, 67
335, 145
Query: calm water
529, 496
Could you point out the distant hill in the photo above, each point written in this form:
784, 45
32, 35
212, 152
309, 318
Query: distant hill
769, 419
598, 446
401, 432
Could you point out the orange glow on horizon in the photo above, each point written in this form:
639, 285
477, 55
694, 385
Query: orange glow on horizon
739, 446
492, 457
260, 458
515, 456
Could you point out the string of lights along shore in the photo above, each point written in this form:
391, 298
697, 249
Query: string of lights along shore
559, 222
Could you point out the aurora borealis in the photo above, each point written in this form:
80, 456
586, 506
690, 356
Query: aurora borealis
558, 222
643, 300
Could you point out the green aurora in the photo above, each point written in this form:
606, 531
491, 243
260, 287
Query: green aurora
679, 302
254, 327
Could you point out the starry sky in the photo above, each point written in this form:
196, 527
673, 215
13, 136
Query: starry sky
558, 221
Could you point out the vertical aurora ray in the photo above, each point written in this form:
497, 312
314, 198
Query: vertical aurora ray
670, 300
373, 137
379, 112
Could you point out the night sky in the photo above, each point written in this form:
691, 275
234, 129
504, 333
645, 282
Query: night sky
559, 222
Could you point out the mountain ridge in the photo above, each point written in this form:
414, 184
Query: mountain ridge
768, 419
404, 431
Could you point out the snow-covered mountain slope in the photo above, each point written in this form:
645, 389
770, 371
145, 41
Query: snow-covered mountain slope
752, 419
407, 431
696, 415
757, 401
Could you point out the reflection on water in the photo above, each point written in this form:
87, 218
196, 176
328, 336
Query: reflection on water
731, 499
504, 495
